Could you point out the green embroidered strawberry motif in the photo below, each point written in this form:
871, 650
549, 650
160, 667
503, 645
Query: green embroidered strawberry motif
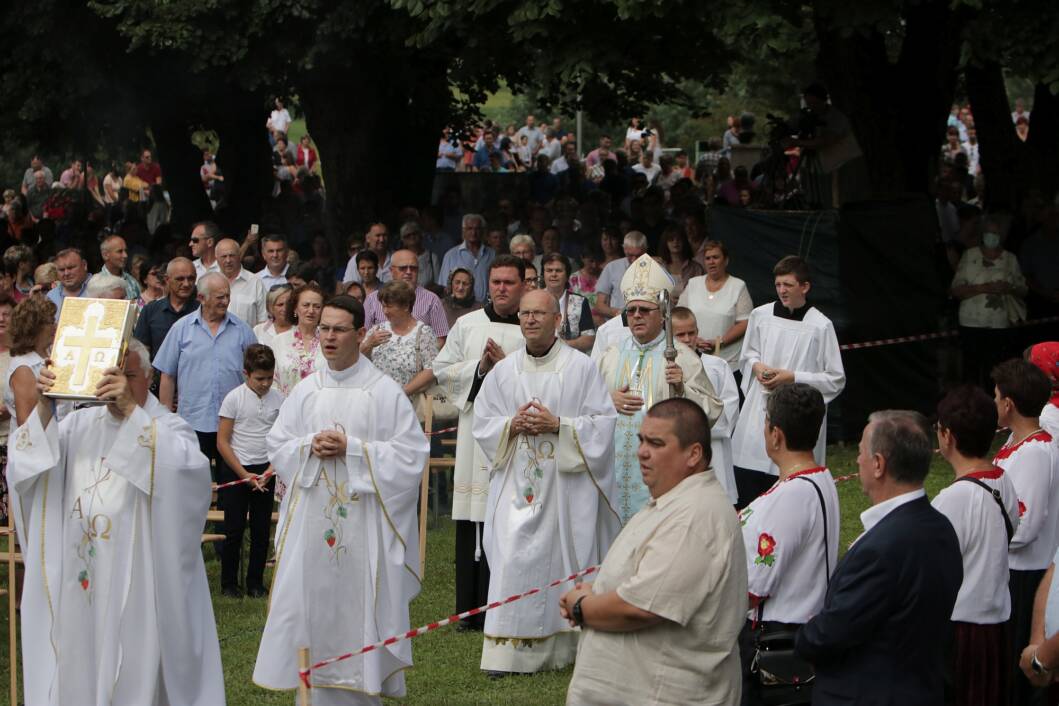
538, 472
329, 537
342, 511
83, 578
528, 494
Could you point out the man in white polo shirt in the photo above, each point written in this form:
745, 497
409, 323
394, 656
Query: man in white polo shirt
248, 291
609, 298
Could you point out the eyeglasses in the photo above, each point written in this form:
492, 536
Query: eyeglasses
641, 310
197, 240
324, 330
535, 315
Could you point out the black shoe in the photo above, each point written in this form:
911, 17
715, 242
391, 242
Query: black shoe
466, 626
494, 675
231, 592
257, 592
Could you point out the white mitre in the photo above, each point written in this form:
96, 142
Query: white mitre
645, 280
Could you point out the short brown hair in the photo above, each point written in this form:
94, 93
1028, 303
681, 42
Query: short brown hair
30, 316
259, 358
509, 261
1024, 384
715, 245
292, 303
793, 265
398, 293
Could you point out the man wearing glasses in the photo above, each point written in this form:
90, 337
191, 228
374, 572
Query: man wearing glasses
638, 375
204, 237
404, 266
159, 315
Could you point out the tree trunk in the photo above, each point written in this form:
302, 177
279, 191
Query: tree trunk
180, 161
245, 160
376, 130
1043, 142
999, 147
888, 103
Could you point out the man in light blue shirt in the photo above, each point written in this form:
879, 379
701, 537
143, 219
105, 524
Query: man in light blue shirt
73, 277
471, 255
202, 357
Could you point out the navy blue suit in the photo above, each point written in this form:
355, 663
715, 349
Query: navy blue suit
882, 635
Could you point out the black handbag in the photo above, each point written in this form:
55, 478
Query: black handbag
784, 677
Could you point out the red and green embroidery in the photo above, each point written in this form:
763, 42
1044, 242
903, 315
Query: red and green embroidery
1022, 508
766, 550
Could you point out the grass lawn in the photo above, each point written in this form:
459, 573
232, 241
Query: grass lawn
446, 667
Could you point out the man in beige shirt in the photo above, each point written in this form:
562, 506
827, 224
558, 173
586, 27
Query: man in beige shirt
660, 623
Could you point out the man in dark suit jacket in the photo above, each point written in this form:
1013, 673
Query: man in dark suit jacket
883, 633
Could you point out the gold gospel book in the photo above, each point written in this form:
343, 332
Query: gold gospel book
91, 336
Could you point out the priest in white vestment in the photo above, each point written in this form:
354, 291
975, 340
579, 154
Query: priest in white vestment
545, 421
686, 330
476, 342
786, 341
110, 503
350, 450
638, 375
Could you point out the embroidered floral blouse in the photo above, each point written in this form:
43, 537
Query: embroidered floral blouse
296, 358
402, 357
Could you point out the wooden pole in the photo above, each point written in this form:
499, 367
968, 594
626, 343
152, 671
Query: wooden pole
12, 604
424, 487
304, 698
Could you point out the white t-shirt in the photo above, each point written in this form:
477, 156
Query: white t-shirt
783, 533
984, 598
1033, 467
280, 120
716, 312
253, 417
650, 172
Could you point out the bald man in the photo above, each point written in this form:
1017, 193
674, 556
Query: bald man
158, 317
404, 266
248, 291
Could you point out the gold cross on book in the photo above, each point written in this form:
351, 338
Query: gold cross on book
91, 336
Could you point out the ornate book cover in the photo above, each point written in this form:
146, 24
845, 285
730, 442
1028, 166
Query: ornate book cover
91, 336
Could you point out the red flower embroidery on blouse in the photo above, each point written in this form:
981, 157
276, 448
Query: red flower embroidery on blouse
766, 547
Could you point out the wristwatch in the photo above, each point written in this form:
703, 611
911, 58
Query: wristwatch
1035, 664
579, 617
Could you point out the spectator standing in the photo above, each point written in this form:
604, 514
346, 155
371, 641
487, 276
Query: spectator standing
552, 148
483, 155
377, 240
149, 171
790, 532
202, 357
157, 317
248, 292
647, 167
203, 242
19, 262
595, 158
888, 605
274, 250
29, 178
73, 276
115, 256
676, 255
990, 288
429, 263
37, 195
298, 349
459, 296
399, 345
721, 304
449, 153
73, 177
246, 417
576, 326
305, 155
278, 122
471, 255
532, 133
1030, 459
276, 303
659, 604
427, 306
985, 518
609, 298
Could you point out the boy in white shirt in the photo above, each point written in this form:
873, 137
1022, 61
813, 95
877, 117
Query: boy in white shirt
246, 417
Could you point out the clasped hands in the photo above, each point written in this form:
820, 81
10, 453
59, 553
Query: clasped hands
566, 603
329, 444
771, 378
491, 355
532, 419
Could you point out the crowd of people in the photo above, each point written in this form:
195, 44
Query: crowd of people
585, 435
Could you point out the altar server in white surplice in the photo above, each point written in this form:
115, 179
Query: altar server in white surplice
638, 375
545, 421
786, 341
111, 502
351, 453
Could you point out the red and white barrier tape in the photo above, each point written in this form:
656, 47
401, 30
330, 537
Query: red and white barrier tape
263, 476
930, 336
430, 627
440, 431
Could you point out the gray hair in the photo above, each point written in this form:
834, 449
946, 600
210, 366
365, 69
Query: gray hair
478, 218
274, 294
104, 246
177, 261
137, 348
103, 284
409, 228
273, 238
635, 239
205, 283
902, 437
522, 239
